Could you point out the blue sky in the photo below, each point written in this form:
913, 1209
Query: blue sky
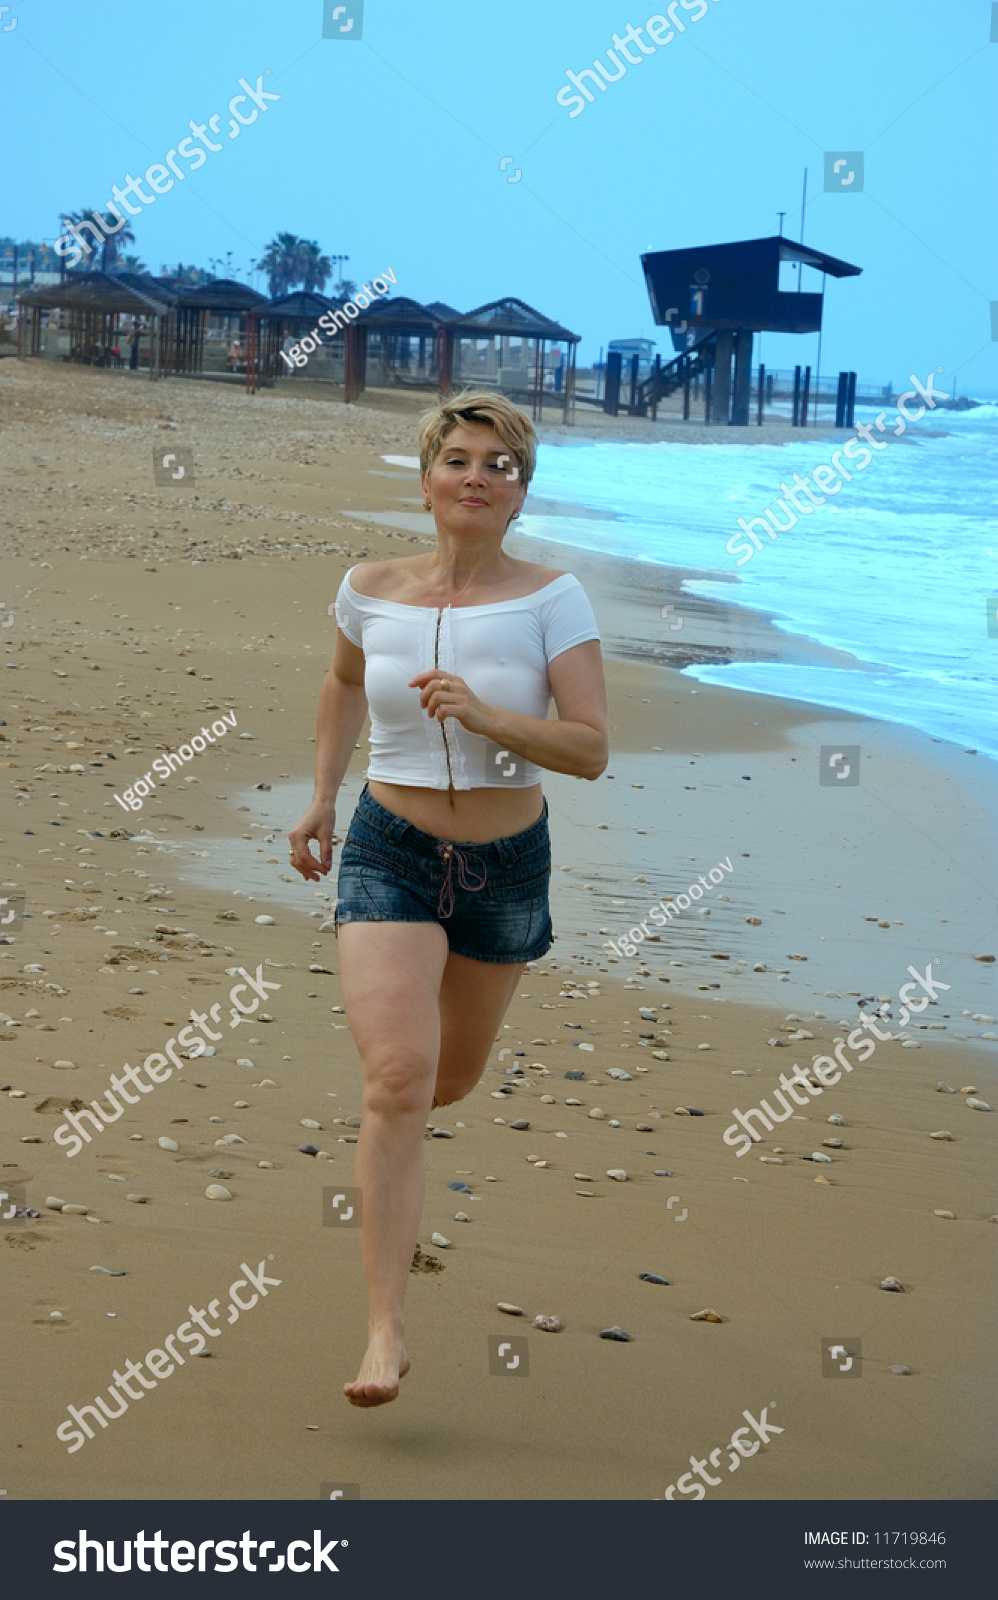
388, 149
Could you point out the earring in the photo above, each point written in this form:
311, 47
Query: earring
427, 505
514, 516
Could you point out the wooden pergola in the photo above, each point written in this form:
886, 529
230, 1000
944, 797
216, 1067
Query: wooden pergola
194, 307
398, 325
496, 326
295, 315
94, 302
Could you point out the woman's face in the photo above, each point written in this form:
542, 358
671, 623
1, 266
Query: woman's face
474, 484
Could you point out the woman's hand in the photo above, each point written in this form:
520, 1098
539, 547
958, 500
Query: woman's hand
319, 823
444, 695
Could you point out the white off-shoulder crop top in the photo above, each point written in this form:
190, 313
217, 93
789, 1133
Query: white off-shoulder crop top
500, 650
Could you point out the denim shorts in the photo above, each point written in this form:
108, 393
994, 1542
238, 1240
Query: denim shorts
490, 899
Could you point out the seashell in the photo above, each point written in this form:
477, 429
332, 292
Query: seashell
660, 1055
352, 1122
942, 1133
894, 1285
778, 1044
583, 1177
816, 1155
899, 1370
651, 1277
754, 922
616, 1334
241, 1105
944, 1088
307, 1122
540, 1163
438, 1239
703, 1046
216, 1191
772, 1161
244, 1061
52, 1204
108, 1273
597, 1114
549, 1324
268, 1164
617, 1174
461, 1216
500, 1120
837, 1120
231, 1138
947, 1214
978, 1105
613, 1124
706, 1316
168, 1144
75, 1211
548, 1100
969, 1088
510, 1309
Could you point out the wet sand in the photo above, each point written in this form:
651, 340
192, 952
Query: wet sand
157, 614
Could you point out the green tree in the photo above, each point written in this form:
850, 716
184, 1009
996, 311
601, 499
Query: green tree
111, 247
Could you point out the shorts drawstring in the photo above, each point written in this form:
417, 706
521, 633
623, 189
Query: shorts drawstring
451, 854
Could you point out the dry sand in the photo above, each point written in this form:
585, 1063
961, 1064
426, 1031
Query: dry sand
786, 1259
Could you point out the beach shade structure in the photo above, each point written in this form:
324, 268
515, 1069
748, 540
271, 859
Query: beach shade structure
713, 298
399, 338
293, 317
505, 345
216, 329
90, 305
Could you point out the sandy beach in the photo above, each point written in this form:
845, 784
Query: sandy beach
133, 918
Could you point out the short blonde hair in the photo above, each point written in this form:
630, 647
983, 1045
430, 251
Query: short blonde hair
485, 407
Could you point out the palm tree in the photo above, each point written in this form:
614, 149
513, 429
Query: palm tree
281, 261
315, 268
131, 264
112, 243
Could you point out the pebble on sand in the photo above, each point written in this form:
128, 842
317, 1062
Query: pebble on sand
707, 1315
899, 1370
942, 1133
75, 1211
510, 1309
52, 1204
307, 1122
521, 1124
651, 1277
617, 1174
268, 1164
168, 1144
644, 1127
837, 1120
977, 1105
947, 1214
893, 1285
548, 1324
817, 1155
217, 1191
439, 1240
138, 1199
615, 1333
265, 921
461, 1216
944, 1088
308, 1149
597, 1114
548, 1100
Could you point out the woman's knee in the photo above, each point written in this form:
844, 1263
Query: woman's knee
397, 1085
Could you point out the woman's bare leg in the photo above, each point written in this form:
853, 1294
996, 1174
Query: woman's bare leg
474, 998
391, 974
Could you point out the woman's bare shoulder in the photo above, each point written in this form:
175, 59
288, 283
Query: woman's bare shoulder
383, 580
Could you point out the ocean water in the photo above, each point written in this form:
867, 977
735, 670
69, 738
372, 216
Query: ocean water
896, 569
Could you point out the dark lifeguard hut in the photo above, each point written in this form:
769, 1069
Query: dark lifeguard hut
714, 297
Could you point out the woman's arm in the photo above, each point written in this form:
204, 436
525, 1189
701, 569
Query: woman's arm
342, 709
576, 743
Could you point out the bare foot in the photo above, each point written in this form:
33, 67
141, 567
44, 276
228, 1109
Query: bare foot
385, 1363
